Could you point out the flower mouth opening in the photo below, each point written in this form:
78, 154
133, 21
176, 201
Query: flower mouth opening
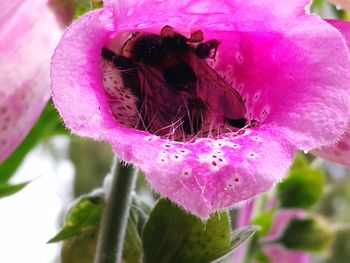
163, 84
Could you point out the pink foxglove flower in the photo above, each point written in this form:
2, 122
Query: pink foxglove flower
291, 70
339, 152
29, 33
276, 252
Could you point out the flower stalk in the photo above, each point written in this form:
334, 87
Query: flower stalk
115, 217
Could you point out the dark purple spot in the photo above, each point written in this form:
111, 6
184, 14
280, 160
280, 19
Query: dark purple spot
241, 132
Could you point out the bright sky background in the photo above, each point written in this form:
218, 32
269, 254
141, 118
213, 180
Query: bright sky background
31, 217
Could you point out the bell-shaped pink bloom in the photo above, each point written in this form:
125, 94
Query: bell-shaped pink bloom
29, 33
292, 70
276, 252
340, 151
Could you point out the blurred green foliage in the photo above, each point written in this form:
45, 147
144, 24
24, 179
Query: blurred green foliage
92, 162
303, 186
48, 124
312, 234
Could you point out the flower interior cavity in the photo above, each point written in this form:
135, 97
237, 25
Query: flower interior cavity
166, 84
212, 116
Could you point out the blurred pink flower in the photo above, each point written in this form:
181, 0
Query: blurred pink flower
277, 253
29, 34
291, 69
339, 152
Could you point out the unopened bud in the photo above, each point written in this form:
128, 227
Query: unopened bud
313, 234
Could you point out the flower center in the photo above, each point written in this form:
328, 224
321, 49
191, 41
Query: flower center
162, 83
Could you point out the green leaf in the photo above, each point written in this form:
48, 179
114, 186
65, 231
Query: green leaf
172, 235
238, 237
312, 234
317, 6
80, 249
264, 220
132, 249
299, 161
84, 216
7, 189
97, 4
47, 125
81, 7
303, 186
80, 229
261, 257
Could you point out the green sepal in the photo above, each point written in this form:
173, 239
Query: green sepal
238, 237
80, 249
7, 189
84, 216
81, 226
302, 188
264, 220
312, 234
172, 235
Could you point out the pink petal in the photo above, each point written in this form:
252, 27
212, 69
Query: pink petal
276, 252
29, 34
339, 152
267, 51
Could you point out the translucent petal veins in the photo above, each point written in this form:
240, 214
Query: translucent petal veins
273, 55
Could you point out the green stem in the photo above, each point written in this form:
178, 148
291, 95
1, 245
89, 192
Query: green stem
115, 216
